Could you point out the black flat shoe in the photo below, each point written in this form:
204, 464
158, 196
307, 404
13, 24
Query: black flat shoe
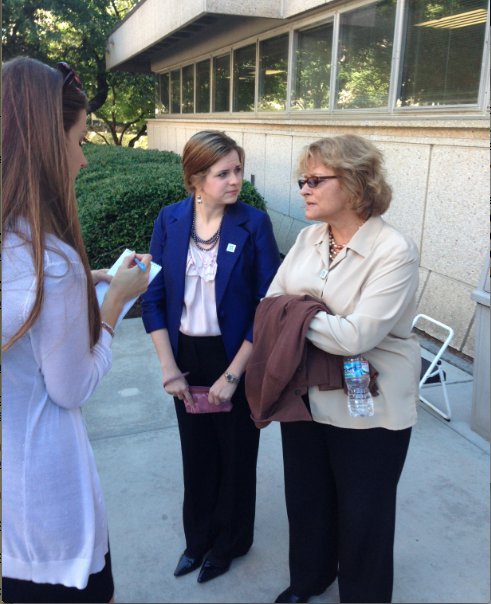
186, 565
210, 571
289, 596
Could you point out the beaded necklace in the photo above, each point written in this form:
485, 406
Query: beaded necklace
335, 248
212, 241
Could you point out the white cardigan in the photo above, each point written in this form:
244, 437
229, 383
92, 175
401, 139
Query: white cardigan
370, 286
54, 521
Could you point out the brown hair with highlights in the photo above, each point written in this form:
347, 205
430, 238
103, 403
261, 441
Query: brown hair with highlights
202, 151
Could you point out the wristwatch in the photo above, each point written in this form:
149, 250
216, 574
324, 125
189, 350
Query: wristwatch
231, 378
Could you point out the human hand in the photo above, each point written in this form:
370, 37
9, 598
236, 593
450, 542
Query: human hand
221, 391
179, 388
130, 281
100, 274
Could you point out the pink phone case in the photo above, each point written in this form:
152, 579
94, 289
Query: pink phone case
201, 404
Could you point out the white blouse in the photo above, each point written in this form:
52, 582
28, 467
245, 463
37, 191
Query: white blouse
199, 315
54, 526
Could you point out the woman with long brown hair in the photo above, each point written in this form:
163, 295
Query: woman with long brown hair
56, 345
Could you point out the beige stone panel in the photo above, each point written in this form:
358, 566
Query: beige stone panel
295, 7
251, 8
277, 169
423, 278
152, 133
172, 138
456, 234
407, 173
255, 159
448, 301
281, 228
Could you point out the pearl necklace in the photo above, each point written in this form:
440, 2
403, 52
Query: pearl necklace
335, 248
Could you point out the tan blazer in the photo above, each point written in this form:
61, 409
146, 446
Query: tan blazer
371, 289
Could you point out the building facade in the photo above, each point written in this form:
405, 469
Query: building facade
411, 75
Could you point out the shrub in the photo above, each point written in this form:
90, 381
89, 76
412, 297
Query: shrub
121, 193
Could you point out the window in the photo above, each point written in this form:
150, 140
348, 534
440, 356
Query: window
175, 91
188, 89
443, 52
313, 49
162, 105
273, 71
203, 86
365, 56
221, 83
244, 78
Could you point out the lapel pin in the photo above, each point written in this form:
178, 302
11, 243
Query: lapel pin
231, 247
324, 273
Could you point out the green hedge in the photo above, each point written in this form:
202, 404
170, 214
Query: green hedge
120, 194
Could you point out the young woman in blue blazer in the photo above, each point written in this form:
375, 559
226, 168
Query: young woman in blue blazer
218, 257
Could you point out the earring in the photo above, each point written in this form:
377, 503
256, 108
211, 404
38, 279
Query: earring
199, 199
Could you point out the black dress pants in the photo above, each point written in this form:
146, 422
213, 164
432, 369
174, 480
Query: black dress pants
219, 454
340, 488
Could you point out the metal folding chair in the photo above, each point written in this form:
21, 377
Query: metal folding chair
432, 371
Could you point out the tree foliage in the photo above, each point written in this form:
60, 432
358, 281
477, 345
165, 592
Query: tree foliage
76, 31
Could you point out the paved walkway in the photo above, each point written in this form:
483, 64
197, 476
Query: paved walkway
442, 551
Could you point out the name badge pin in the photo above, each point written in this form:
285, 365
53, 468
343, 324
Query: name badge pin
324, 273
231, 247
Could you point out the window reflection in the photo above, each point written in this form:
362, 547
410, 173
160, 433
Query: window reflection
273, 72
313, 50
203, 86
442, 60
244, 78
365, 56
221, 83
175, 88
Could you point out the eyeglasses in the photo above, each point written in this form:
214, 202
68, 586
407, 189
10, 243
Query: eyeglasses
69, 75
313, 181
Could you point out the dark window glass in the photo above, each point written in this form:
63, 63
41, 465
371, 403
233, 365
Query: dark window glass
175, 91
443, 52
203, 86
221, 83
273, 72
244, 78
313, 68
188, 89
365, 56
162, 103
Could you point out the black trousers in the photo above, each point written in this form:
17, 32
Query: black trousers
340, 488
219, 454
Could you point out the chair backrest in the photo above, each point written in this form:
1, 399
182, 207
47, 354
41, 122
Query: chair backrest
450, 334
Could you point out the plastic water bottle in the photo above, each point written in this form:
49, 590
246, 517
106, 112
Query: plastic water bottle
357, 378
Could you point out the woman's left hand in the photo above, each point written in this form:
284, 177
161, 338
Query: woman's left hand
221, 391
100, 275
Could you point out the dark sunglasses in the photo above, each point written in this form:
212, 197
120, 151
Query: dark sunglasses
313, 181
69, 75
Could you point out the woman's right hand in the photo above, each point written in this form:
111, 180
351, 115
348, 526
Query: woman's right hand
179, 388
130, 281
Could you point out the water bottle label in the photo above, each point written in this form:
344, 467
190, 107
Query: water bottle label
356, 369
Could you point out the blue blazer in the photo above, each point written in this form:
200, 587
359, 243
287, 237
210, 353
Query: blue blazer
247, 260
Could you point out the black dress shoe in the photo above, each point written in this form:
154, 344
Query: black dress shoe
289, 596
210, 571
186, 565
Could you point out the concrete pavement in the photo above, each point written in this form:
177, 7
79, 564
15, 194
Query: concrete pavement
442, 551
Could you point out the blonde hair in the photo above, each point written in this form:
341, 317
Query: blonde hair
38, 111
359, 166
202, 151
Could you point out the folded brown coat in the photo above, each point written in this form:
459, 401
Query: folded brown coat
283, 363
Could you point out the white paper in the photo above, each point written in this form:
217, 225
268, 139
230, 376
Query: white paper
102, 287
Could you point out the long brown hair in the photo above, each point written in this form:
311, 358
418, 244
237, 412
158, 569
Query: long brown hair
38, 111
